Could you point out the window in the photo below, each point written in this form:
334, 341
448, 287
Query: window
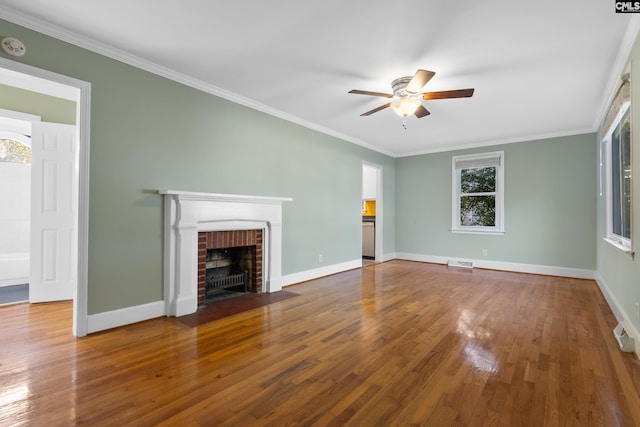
478, 195
14, 151
618, 178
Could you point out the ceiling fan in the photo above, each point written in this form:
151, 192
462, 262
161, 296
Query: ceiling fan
407, 98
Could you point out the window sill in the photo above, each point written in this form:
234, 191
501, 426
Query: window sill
485, 232
622, 248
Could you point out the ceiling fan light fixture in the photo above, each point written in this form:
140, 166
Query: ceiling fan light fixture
405, 107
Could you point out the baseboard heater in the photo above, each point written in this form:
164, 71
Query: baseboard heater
458, 263
625, 342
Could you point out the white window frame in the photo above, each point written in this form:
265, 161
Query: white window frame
620, 242
495, 158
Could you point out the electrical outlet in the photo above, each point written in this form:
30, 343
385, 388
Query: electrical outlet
638, 311
484, 252
320, 258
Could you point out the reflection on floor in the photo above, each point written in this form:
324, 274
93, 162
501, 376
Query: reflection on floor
367, 261
14, 293
234, 305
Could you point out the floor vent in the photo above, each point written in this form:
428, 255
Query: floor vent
457, 263
625, 342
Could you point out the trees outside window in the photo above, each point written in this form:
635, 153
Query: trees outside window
478, 193
617, 145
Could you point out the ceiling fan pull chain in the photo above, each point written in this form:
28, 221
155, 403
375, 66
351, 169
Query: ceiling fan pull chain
404, 125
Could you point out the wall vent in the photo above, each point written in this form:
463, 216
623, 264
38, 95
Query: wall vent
625, 342
458, 263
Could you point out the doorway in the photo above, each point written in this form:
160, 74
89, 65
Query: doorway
41, 81
372, 213
15, 193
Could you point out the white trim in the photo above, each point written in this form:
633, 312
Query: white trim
546, 270
618, 68
124, 316
218, 197
82, 90
620, 242
128, 315
618, 312
456, 227
143, 64
389, 256
477, 231
16, 115
27, 82
496, 142
303, 276
14, 281
379, 235
187, 213
619, 246
65, 35
14, 268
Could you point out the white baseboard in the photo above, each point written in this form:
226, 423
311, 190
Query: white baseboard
504, 266
619, 313
16, 281
124, 316
14, 269
389, 257
303, 276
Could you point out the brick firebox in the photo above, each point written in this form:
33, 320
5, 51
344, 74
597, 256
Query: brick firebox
225, 240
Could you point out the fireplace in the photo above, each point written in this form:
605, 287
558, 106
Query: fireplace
188, 215
229, 261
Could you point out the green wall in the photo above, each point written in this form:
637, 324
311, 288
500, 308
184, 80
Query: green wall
49, 108
619, 272
550, 205
149, 133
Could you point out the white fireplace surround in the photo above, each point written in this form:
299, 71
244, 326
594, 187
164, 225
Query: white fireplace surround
188, 213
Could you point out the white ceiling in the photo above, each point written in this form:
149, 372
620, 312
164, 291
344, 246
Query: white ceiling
540, 68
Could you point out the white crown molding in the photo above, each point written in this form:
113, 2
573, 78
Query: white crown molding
143, 64
618, 69
494, 142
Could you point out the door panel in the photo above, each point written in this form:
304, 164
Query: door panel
53, 213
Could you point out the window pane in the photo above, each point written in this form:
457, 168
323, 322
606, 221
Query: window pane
12, 151
479, 211
479, 180
625, 178
616, 217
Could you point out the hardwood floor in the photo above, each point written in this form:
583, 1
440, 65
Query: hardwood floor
393, 344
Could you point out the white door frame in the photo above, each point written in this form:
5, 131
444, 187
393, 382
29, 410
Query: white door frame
43, 81
379, 210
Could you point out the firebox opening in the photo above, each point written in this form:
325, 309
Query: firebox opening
229, 264
226, 272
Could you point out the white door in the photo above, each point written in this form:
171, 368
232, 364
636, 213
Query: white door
53, 213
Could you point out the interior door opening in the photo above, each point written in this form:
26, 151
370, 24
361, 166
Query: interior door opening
75, 236
372, 209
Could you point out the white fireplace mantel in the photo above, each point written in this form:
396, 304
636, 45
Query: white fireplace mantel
188, 213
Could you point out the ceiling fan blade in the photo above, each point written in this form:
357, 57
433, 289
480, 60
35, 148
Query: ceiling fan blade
375, 110
445, 94
421, 112
419, 80
365, 92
